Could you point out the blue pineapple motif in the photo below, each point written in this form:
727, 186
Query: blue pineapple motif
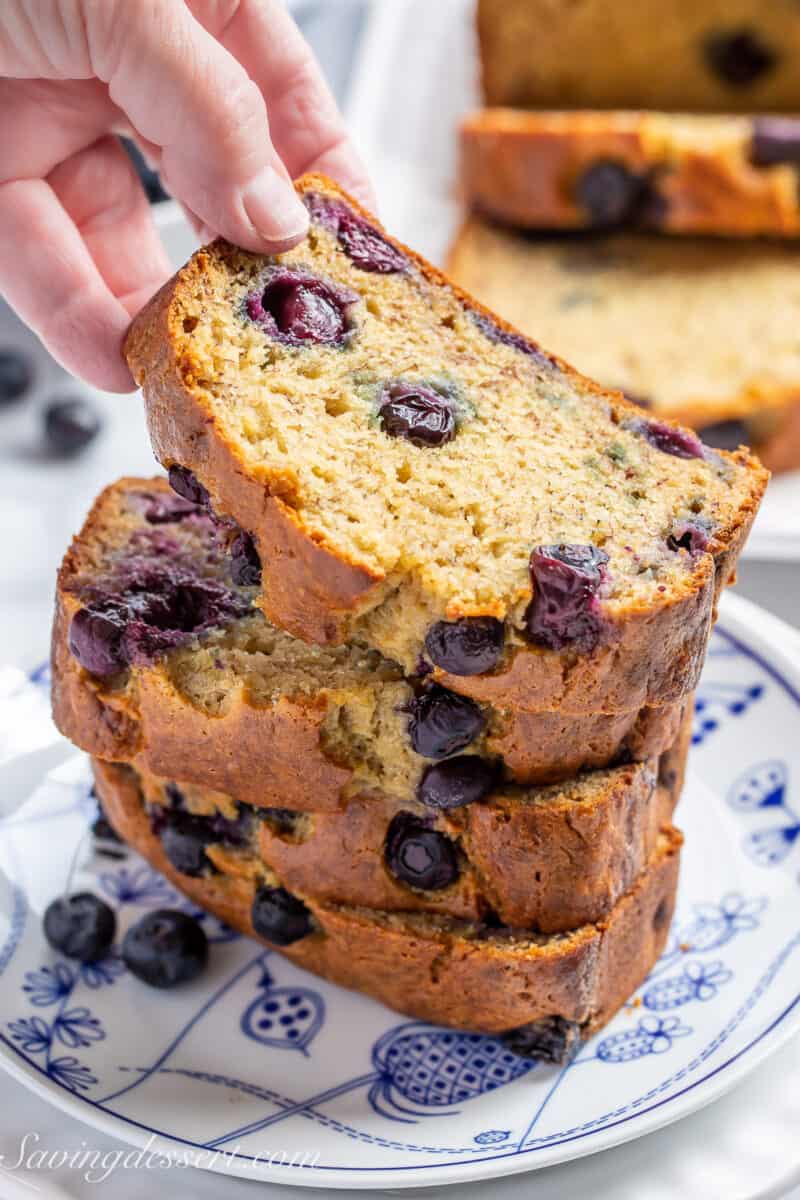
418, 1069
715, 700
285, 1018
653, 1035
697, 981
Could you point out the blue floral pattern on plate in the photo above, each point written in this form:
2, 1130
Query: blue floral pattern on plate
259, 1055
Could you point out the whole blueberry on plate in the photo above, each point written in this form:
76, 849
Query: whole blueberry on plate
70, 425
81, 926
166, 947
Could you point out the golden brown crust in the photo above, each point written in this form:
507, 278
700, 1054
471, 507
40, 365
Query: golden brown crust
522, 169
549, 860
317, 594
440, 969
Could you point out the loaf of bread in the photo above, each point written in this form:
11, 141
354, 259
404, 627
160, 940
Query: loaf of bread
488, 978
714, 56
731, 175
160, 659
415, 476
699, 331
549, 859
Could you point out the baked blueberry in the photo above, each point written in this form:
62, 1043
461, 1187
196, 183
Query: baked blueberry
609, 193
95, 638
166, 509
245, 562
726, 435
165, 948
70, 425
509, 337
417, 413
739, 56
564, 609
469, 646
184, 838
680, 443
775, 140
465, 779
368, 249
16, 376
298, 308
81, 926
418, 855
188, 486
688, 535
442, 723
551, 1040
280, 917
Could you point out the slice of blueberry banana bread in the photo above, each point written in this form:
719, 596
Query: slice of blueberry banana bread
416, 475
548, 859
161, 659
731, 175
717, 56
695, 330
472, 975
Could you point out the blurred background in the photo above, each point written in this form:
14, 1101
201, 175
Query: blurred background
61, 442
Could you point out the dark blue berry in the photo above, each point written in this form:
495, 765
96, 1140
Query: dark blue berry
368, 249
564, 609
102, 829
280, 917
417, 413
418, 855
688, 535
165, 948
470, 646
669, 439
70, 425
551, 1040
609, 193
16, 376
775, 140
509, 337
465, 779
245, 562
738, 56
298, 308
188, 486
95, 638
184, 838
442, 723
81, 926
166, 509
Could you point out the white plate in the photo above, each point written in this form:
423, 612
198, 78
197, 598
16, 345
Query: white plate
408, 95
262, 1059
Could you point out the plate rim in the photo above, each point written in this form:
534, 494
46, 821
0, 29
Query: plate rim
752, 629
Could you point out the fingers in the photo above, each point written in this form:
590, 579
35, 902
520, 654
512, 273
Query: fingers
48, 275
307, 128
100, 191
186, 94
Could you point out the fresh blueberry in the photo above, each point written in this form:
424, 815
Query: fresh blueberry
775, 140
442, 723
165, 948
184, 838
280, 917
609, 193
188, 486
81, 926
95, 638
245, 562
688, 535
726, 435
174, 796
418, 855
738, 56
669, 439
297, 308
465, 779
70, 425
551, 1039
470, 646
418, 413
564, 609
16, 376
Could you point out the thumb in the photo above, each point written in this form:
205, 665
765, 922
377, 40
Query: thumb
205, 118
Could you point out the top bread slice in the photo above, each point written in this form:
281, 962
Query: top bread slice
418, 477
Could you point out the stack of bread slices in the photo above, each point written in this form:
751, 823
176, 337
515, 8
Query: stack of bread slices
394, 670
634, 200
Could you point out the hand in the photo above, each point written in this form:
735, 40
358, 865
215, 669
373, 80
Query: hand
223, 97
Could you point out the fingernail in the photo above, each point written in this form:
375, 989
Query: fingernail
273, 207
